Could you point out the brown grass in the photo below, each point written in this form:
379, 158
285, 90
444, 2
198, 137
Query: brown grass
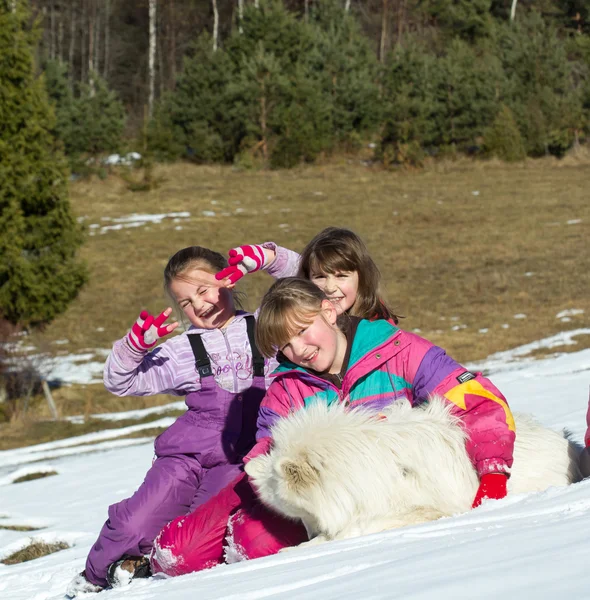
33, 476
34, 550
30, 431
19, 527
453, 261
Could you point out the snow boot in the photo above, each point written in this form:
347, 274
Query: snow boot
121, 572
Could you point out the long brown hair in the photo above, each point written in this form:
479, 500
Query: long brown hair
335, 250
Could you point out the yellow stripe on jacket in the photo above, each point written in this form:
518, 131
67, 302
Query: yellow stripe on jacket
457, 396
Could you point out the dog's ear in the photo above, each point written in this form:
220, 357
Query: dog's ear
255, 467
298, 474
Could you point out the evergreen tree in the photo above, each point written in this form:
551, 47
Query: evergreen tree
539, 85
469, 89
467, 19
39, 237
91, 123
502, 139
414, 109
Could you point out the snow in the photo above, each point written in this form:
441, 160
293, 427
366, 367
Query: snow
137, 220
527, 546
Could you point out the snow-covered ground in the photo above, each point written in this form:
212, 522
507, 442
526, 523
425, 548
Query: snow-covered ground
531, 546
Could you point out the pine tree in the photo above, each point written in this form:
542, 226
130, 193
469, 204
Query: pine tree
39, 237
503, 139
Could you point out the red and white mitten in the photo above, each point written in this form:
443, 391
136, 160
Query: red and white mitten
242, 260
147, 330
492, 486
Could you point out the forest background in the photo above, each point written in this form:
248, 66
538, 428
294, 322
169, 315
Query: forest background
275, 82
450, 134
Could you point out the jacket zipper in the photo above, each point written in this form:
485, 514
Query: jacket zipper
231, 361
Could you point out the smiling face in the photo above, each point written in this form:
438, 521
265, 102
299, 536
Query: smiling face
318, 344
206, 304
341, 287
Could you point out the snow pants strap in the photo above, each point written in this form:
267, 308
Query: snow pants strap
257, 358
202, 361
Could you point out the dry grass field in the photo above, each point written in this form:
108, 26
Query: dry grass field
463, 247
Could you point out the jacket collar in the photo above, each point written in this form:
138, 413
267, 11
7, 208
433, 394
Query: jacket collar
240, 316
371, 336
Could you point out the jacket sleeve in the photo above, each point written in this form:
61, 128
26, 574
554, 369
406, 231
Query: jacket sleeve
163, 370
486, 417
285, 264
166, 492
482, 408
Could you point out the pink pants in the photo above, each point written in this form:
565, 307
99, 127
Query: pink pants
198, 541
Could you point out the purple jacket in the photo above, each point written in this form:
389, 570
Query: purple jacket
197, 456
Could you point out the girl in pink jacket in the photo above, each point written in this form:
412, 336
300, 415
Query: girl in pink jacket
368, 363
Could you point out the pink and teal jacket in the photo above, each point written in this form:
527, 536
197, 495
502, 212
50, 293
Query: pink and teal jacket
387, 364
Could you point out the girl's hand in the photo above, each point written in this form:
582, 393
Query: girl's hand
147, 330
491, 485
245, 259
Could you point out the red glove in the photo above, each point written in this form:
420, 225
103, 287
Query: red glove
147, 330
491, 485
242, 260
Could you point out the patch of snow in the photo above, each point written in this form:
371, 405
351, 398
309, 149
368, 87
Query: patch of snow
569, 312
117, 159
525, 546
139, 413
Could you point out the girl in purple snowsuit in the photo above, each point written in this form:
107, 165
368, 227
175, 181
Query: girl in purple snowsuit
217, 366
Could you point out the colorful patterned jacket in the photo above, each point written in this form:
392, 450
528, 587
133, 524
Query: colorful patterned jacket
387, 364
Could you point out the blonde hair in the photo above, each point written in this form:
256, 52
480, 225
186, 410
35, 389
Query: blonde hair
195, 257
336, 249
288, 305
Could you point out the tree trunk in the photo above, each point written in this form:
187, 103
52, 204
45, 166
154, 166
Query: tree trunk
152, 56
91, 22
107, 38
240, 15
96, 60
401, 10
513, 10
72, 43
383, 42
160, 71
172, 36
52, 35
83, 28
347, 6
49, 398
60, 35
306, 10
215, 25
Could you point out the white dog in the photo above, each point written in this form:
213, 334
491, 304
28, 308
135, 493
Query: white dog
346, 474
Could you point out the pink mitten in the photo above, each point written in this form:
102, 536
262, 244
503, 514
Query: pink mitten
242, 260
147, 330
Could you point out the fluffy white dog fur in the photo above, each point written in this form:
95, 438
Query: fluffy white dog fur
350, 473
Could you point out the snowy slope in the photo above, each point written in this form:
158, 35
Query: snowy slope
533, 546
